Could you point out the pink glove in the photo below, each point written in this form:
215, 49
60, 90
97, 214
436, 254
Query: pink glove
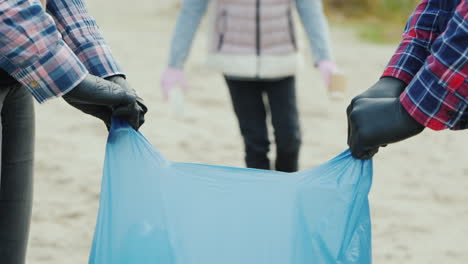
171, 78
327, 68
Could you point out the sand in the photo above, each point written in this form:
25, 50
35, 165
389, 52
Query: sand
419, 197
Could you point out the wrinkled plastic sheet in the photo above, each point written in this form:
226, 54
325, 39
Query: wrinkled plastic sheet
154, 211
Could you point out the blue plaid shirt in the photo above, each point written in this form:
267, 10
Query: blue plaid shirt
433, 60
51, 52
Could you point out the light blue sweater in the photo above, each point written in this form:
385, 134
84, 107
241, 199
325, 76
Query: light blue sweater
192, 11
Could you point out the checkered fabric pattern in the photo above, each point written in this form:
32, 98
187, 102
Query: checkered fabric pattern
432, 59
33, 51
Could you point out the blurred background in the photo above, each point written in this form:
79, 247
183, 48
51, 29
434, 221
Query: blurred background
378, 21
419, 197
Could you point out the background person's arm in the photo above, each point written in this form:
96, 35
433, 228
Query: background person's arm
188, 21
423, 27
33, 52
438, 96
316, 26
80, 31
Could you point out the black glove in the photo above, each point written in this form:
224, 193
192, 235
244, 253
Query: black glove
140, 105
375, 122
386, 87
100, 98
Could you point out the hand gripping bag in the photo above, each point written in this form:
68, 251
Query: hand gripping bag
154, 211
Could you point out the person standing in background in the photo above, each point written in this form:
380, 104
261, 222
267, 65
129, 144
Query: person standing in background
253, 43
60, 53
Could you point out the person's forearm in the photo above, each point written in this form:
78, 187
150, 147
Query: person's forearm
188, 21
422, 28
81, 33
316, 26
438, 96
32, 51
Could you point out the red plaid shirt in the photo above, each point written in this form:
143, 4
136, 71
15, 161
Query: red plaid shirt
433, 60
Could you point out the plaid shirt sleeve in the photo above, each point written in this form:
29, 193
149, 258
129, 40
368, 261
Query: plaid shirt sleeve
422, 28
33, 52
438, 95
81, 33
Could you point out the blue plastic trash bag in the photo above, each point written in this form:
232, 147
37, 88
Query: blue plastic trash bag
154, 211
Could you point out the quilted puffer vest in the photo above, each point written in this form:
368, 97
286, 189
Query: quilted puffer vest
253, 38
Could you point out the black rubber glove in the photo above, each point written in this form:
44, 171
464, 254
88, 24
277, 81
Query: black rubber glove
375, 122
100, 98
386, 87
140, 105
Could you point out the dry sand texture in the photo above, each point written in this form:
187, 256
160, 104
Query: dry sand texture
419, 198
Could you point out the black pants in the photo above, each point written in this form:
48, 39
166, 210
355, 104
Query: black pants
251, 110
16, 178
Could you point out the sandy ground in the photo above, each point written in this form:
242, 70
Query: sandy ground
419, 198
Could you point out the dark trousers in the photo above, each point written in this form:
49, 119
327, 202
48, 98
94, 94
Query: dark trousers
16, 178
253, 100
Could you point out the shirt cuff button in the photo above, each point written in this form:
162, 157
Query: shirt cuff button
34, 84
